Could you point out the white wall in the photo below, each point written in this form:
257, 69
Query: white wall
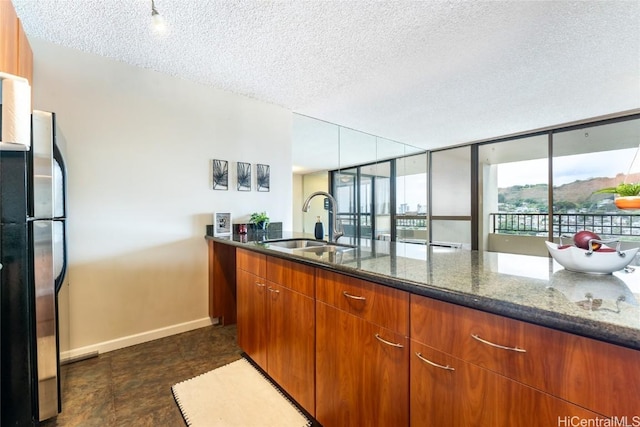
138, 152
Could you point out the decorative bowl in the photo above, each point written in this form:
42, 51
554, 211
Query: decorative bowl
605, 261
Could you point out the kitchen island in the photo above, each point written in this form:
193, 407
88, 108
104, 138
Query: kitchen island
508, 325
533, 289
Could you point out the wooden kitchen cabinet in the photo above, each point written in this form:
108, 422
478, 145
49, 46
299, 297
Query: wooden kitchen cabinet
16, 56
362, 367
297, 277
381, 355
292, 335
252, 316
8, 38
383, 305
222, 282
446, 391
276, 321
291, 343
601, 377
25, 55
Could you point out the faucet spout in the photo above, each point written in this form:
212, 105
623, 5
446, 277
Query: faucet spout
337, 225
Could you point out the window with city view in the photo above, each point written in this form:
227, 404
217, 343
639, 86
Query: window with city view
584, 161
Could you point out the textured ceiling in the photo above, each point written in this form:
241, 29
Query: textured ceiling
427, 73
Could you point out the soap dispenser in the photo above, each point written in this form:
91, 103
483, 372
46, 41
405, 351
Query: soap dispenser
319, 230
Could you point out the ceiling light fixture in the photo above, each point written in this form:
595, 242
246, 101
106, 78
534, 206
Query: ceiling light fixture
157, 19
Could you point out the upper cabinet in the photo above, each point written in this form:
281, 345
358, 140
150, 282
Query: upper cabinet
16, 56
8, 38
25, 56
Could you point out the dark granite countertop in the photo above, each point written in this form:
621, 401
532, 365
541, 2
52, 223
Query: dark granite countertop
529, 288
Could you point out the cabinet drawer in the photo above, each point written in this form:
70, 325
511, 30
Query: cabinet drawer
292, 275
602, 377
446, 391
382, 305
250, 261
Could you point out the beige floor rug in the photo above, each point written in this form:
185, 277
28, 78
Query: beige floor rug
235, 395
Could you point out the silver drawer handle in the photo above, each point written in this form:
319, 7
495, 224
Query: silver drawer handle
519, 350
348, 295
262, 285
274, 290
392, 344
421, 357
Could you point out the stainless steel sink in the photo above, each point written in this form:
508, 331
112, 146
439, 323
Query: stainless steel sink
296, 243
318, 247
328, 248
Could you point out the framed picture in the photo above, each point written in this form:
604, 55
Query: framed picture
263, 176
222, 224
220, 173
244, 176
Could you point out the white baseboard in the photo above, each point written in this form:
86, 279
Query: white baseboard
106, 346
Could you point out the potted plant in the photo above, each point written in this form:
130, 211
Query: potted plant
260, 220
627, 195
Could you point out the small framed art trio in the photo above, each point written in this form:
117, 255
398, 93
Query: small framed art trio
220, 174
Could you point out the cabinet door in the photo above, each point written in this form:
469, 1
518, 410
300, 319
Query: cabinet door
447, 391
291, 343
252, 316
8, 38
360, 379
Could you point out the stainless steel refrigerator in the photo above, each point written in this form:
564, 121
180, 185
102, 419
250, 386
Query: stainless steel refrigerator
33, 258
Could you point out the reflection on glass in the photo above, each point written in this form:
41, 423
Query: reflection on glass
411, 199
312, 182
364, 199
356, 148
375, 214
451, 179
315, 146
365, 221
345, 191
363, 178
451, 196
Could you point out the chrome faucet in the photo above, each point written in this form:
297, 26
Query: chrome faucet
334, 210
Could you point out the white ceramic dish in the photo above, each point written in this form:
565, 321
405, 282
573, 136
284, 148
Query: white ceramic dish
576, 259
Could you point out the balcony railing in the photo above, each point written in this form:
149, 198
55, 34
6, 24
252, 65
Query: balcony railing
411, 221
609, 225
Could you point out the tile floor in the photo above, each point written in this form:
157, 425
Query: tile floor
132, 386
